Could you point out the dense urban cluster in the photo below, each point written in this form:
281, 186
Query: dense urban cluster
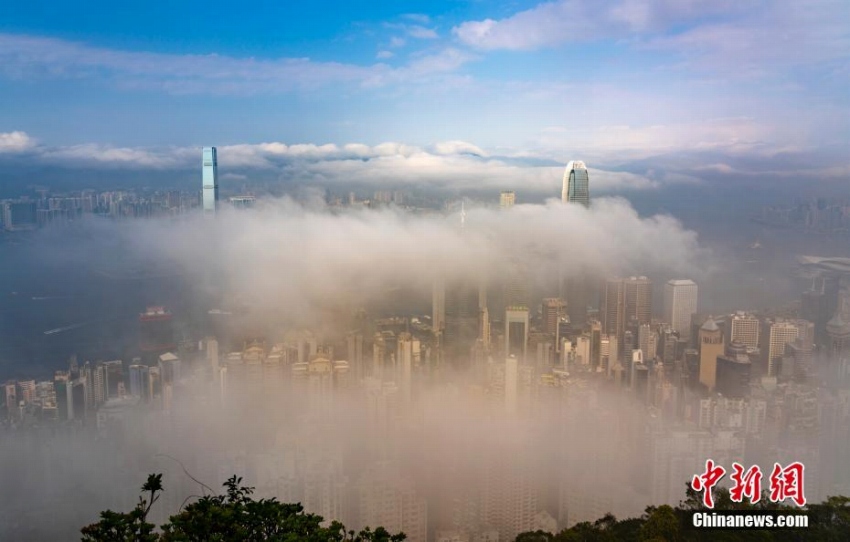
507, 408
821, 215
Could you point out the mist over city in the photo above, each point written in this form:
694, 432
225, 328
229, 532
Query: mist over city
470, 272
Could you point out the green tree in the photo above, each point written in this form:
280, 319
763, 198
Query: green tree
128, 527
230, 517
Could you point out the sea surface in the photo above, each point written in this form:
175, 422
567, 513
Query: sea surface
62, 296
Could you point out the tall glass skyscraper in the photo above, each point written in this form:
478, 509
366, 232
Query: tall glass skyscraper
576, 189
210, 180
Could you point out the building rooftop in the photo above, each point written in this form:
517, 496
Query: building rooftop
710, 325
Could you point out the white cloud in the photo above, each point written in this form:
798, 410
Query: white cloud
421, 32
458, 166
321, 264
623, 142
783, 35
26, 57
420, 18
15, 142
549, 24
458, 147
384, 54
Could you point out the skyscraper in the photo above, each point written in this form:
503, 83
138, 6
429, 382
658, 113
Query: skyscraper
613, 307
680, 302
210, 180
710, 347
516, 332
745, 329
576, 185
781, 332
638, 299
507, 199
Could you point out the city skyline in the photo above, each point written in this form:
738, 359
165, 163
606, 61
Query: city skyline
458, 88
470, 271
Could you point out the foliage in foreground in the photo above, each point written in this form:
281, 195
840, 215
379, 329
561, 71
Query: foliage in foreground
829, 521
230, 517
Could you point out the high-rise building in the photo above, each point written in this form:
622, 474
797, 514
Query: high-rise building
637, 292
575, 187
139, 381
553, 310
745, 329
613, 307
438, 305
710, 347
511, 383
484, 327
680, 302
386, 496
114, 372
407, 357
781, 332
838, 329
733, 375
516, 332
210, 180
507, 199
169, 366
461, 317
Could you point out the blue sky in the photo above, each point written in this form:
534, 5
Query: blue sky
620, 82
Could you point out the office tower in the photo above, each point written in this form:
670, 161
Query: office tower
507, 199
515, 287
819, 303
733, 375
781, 332
354, 351
19, 215
243, 202
580, 292
554, 309
407, 357
575, 187
10, 397
516, 332
320, 386
608, 352
680, 302
212, 355
461, 324
838, 328
637, 292
595, 342
99, 385
139, 380
210, 180
169, 366
745, 329
511, 384
668, 342
114, 373
484, 327
613, 307
710, 346
438, 306
76, 399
